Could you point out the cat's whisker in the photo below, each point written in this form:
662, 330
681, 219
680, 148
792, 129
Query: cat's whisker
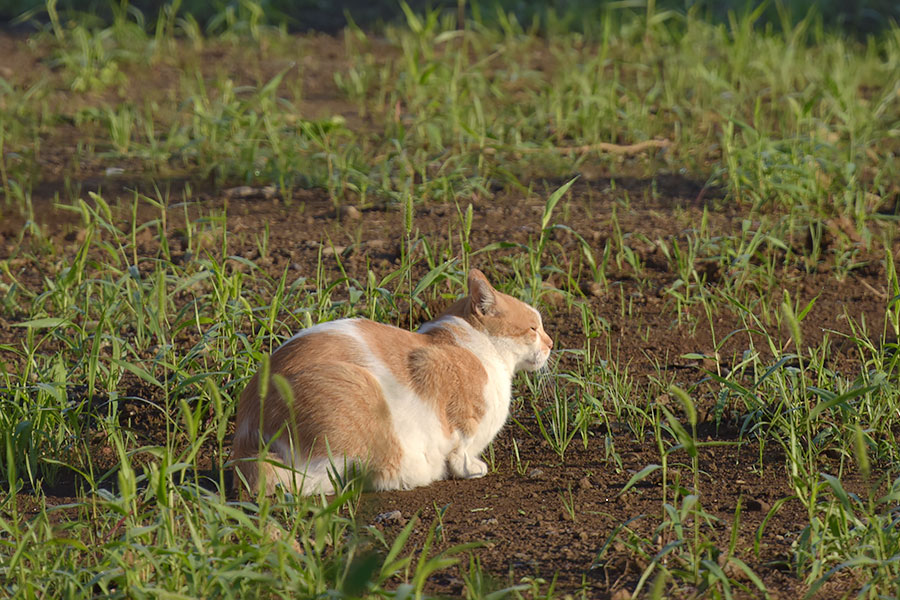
546, 375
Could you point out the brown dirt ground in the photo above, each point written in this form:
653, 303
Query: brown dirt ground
520, 516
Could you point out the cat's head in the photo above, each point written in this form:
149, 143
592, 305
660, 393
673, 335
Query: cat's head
513, 326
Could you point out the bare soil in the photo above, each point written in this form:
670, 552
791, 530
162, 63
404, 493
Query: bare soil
520, 513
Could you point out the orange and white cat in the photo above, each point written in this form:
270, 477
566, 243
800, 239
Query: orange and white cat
401, 407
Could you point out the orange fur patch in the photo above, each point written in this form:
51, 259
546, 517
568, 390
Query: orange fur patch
338, 408
452, 379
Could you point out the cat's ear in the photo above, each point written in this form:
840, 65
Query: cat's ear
482, 293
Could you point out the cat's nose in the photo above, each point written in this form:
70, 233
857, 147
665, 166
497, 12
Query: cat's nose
548, 340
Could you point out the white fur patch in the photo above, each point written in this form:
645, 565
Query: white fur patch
415, 423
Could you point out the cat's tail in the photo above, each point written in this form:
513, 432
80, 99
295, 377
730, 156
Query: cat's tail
277, 466
316, 476
264, 461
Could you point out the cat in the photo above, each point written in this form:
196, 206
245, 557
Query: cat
400, 407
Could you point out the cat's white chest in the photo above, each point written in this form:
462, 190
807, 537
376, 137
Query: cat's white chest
497, 397
498, 387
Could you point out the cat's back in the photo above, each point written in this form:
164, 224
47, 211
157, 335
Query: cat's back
357, 341
442, 362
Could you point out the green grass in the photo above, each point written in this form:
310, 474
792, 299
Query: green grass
795, 127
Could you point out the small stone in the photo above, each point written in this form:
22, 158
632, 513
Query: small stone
241, 191
535, 474
244, 192
621, 594
709, 363
591, 288
491, 521
350, 213
585, 483
735, 573
394, 517
550, 295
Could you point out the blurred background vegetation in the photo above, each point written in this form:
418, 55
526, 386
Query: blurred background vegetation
856, 19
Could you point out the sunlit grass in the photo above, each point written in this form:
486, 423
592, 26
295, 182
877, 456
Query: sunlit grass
796, 127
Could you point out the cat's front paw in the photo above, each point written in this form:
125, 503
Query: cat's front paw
463, 466
476, 468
